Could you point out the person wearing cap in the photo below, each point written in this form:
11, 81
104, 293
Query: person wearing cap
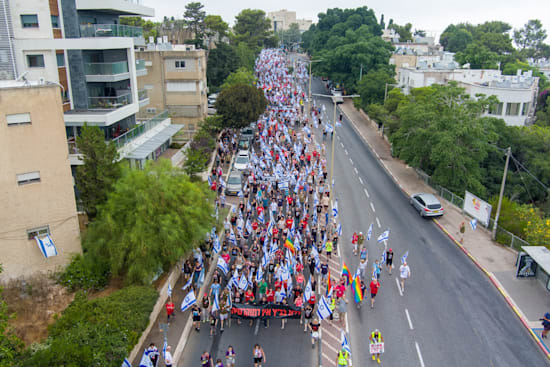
343, 358
374, 286
376, 338
389, 260
405, 272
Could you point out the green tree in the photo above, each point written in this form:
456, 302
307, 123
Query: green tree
492, 35
151, 219
382, 24
10, 346
478, 56
253, 28
405, 33
531, 36
241, 76
292, 35
420, 32
215, 27
240, 104
394, 99
222, 61
246, 56
100, 170
194, 19
373, 86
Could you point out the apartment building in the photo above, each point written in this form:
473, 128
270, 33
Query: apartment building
176, 82
39, 225
517, 94
282, 19
81, 45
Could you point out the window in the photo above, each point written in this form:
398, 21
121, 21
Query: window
28, 178
18, 119
512, 109
181, 86
29, 21
60, 60
496, 109
35, 61
55, 21
180, 64
38, 232
525, 109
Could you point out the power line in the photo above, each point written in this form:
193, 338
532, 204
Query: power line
530, 174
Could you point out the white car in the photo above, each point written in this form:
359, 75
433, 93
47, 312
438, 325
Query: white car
241, 162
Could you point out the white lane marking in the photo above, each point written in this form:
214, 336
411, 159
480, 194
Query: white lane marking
361, 180
330, 347
378, 222
342, 145
372, 206
399, 287
367, 193
325, 331
345, 150
409, 319
347, 325
356, 171
351, 161
419, 354
338, 136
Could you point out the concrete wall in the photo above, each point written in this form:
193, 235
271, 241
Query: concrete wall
39, 146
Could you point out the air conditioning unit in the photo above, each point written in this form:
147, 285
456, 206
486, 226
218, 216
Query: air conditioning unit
41, 81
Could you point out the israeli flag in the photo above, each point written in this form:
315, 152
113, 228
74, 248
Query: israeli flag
326, 219
261, 218
259, 275
270, 228
264, 259
188, 301
145, 360
126, 363
369, 232
216, 305
240, 194
345, 344
209, 181
339, 229
222, 265
315, 218
323, 309
404, 257
188, 284
232, 237
248, 226
243, 283
473, 224
338, 124
282, 295
169, 290
164, 347
222, 182
216, 245
46, 246
383, 258
384, 236
308, 291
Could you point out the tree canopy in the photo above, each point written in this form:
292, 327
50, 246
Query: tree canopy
530, 39
193, 18
253, 28
240, 76
240, 104
222, 61
492, 35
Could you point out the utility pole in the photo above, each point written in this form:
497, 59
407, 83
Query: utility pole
508, 154
308, 112
361, 73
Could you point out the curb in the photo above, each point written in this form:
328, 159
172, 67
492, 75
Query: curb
491, 277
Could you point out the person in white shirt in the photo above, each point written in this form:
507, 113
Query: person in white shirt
168, 357
405, 272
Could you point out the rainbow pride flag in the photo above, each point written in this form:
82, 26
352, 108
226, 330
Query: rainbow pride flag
356, 286
346, 273
328, 283
289, 245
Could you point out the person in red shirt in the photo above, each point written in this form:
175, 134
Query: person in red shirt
248, 296
254, 226
312, 299
340, 289
260, 209
289, 200
214, 186
289, 222
374, 286
354, 240
270, 295
170, 310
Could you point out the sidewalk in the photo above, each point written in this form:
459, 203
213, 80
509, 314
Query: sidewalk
526, 297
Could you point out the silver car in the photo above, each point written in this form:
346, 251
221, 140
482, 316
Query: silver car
234, 184
427, 205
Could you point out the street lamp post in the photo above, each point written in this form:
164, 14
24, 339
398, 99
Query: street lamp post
336, 100
309, 89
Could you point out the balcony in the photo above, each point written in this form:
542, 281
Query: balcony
139, 130
113, 30
120, 7
141, 70
109, 103
106, 71
143, 98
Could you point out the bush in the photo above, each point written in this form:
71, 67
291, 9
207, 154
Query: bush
84, 273
99, 332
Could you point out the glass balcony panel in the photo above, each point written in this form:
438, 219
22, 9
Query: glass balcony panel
144, 126
109, 103
106, 68
110, 30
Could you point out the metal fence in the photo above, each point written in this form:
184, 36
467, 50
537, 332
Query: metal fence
503, 237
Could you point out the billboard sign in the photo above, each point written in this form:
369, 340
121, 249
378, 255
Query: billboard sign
477, 208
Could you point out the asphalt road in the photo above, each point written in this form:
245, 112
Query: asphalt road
450, 314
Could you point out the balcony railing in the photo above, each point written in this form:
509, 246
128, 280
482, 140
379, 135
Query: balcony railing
110, 30
142, 94
109, 103
73, 149
140, 64
139, 130
106, 68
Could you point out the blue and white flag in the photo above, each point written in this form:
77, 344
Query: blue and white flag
209, 180
383, 258
216, 304
315, 218
216, 245
169, 290
222, 182
188, 284
308, 291
323, 309
232, 237
164, 347
339, 229
248, 226
145, 360
270, 228
259, 275
326, 219
369, 232
473, 224
188, 301
404, 257
384, 236
240, 194
335, 209
315, 198
345, 343
261, 217
222, 265
46, 246
243, 283
338, 124
126, 363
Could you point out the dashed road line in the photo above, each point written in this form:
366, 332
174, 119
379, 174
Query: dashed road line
325, 331
331, 347
419, 354
356, 172
366, 193
345, 150
399, 287
372, 207
351, 161
378, 222
409, 319
361, 180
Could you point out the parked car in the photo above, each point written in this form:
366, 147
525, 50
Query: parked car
337, 92
427, 205
241, 161
234, 183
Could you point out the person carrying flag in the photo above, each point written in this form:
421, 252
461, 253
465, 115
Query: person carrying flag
343, 358
404, 273
389, 260
354, 241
